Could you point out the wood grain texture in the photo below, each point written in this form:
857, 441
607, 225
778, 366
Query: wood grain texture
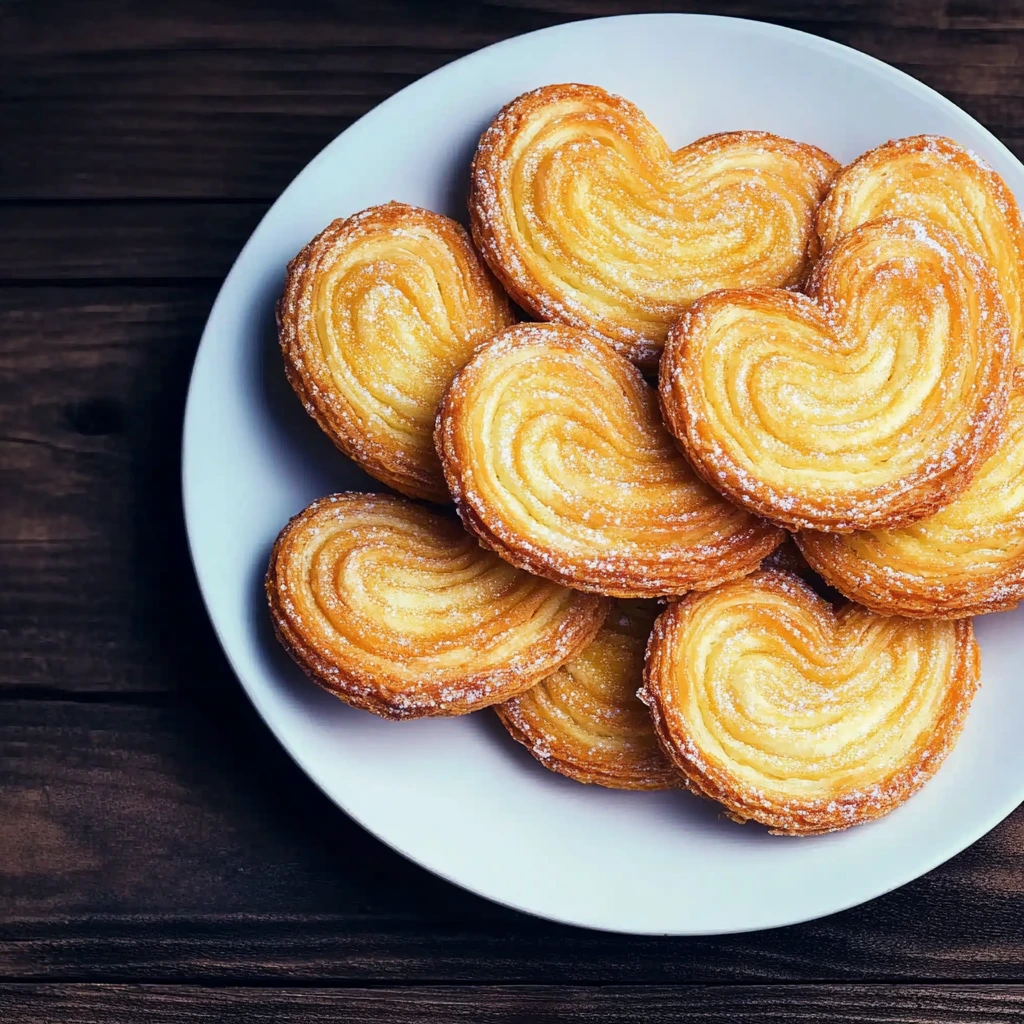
92, 388
230, 99
730, 1004
150, 827
172, 839
43, 242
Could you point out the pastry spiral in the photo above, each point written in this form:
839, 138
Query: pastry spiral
931, 178
585, 720
967, 559
379, 312
589, 219
400, 612
556, 457
867, 405
800, 717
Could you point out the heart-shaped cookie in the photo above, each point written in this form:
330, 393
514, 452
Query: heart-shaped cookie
588, 218
867, 404
557, 459
967, 559
931, 178
801, 717
379, 311
400, 612
585, 720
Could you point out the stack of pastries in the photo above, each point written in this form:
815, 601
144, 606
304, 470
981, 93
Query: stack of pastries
723, 448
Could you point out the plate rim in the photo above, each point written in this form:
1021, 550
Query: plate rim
191, 504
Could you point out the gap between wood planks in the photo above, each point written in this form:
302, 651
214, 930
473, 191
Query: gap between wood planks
541, 1004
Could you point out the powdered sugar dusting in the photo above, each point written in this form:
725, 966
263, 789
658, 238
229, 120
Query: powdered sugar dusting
556, 457
589, 219
801, 717
864, 405
392, 287
401, 612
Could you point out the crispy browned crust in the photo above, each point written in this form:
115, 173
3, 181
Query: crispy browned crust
556, 457
929, 177
400, 612
378, 313
589, 219
967, 559
585, 720
843, 410
820, 677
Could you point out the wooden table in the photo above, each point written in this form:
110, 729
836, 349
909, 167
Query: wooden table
161, 859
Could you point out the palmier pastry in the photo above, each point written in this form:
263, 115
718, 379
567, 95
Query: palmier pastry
379, 311
800, 717
400, 612
931, 178
967, 559
585, 720
588, 218
867, 404
553, 449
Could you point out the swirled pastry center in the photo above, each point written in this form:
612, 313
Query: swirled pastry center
873, 401
556, 456
809, 706
590, 219
801, 717
391, 606
931, 178
379, 313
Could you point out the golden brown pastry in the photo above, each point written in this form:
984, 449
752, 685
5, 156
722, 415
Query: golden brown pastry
556, 457
800, 717
866, 404
400, 612
931, 178
589, 219
379, 311
585, 720
967, 559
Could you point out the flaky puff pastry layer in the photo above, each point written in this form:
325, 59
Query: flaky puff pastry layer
588, 218
967, 559
557, 459
379, 312
585, 720
867, 404
401, 612
928, 177
800, 717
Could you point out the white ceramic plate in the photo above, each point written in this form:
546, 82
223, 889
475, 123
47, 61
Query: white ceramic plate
458, 796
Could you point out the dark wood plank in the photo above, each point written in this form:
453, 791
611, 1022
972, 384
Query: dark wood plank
76, 241
173, 840
94, 571
217, 99
92, 386
231, 99
752, 1004
149, 826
